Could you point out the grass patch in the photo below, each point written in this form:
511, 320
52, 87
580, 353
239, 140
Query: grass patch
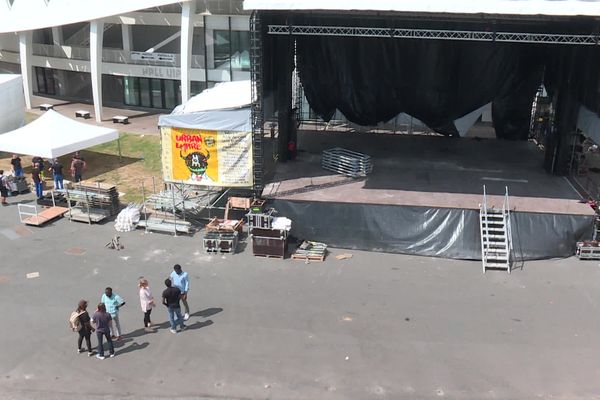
140, 161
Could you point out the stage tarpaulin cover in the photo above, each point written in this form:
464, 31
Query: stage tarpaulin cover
436, 232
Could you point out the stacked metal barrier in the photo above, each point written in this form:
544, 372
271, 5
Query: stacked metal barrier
346, 162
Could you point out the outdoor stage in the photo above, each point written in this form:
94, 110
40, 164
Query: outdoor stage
424, 193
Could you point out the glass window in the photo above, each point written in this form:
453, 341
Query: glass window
41, 80
157, 101
132, 91
46, 84
222, 49
50, 82
170, 94
240, 50
197, 87
145, 92
232, 48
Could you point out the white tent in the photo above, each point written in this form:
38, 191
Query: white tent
224, 95
53, 135
12, 102
225, 107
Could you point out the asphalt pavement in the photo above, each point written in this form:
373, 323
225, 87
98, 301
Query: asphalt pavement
375, 326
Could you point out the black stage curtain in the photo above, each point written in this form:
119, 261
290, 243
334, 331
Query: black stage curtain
371, 80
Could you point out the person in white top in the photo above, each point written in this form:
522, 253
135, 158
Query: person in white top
147, 303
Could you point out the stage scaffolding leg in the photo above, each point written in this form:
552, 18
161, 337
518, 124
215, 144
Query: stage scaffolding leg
256, 76
144, 205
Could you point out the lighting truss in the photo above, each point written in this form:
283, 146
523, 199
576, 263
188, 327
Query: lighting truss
435, 34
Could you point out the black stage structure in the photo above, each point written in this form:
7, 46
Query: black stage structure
372, 66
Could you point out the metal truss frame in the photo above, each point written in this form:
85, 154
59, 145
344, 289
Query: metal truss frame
433, 34
257, 109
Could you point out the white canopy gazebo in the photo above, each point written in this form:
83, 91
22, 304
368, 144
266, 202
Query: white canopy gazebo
53, 135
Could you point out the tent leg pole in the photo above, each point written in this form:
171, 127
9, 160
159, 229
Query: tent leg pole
119, 147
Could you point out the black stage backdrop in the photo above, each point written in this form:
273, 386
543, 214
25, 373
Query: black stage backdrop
371, 80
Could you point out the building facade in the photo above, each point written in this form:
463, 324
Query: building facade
135, 59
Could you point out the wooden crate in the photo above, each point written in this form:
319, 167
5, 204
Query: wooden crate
224, 225
240, 202
269, 242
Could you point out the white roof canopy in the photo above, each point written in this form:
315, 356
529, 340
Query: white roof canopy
53, 135
225, 107
25, 15
497, 7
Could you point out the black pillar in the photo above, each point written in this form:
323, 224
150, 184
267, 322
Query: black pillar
560, 138
284, 94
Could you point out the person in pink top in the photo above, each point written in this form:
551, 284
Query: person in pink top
147, 303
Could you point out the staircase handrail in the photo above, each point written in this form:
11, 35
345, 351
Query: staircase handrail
509, 247
483, 214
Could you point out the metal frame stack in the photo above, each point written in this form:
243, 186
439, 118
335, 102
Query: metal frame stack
346, 162
92, 202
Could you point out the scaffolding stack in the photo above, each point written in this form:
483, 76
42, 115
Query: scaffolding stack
91, 202
346, 162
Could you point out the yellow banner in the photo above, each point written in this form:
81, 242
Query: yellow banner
210, 158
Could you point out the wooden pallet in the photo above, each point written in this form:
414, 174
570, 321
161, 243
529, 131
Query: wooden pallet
309, 257
45, 215
269, 256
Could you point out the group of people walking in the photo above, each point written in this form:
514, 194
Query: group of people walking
105, 320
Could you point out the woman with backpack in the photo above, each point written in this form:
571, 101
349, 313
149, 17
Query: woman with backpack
81, 323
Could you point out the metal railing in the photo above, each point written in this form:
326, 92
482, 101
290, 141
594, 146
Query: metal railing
116, 56
483, 222
507, 223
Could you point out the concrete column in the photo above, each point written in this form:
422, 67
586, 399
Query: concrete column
188, 11
25, 55
127, 41
57, 36
96, 36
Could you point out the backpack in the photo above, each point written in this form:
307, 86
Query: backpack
74, 322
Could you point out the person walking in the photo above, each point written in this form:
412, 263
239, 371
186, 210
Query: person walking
17, 167
103, 322
57, 172
84, 327
78, 165
180, 280
170, 298
147, 303
37, 180
3, 188
113, 303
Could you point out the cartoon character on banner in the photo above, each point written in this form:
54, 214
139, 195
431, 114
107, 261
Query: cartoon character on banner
197, 163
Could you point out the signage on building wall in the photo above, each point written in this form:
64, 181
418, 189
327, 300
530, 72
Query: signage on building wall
161, 72
141, 56
209, 158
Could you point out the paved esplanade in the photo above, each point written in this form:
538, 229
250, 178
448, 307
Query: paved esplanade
374, 326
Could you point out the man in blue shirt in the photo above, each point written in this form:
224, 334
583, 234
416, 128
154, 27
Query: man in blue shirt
180, 280
113, 302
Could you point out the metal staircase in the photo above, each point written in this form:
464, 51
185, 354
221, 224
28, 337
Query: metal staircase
496, 234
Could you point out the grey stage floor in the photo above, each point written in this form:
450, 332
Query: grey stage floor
426, 171
376, 326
